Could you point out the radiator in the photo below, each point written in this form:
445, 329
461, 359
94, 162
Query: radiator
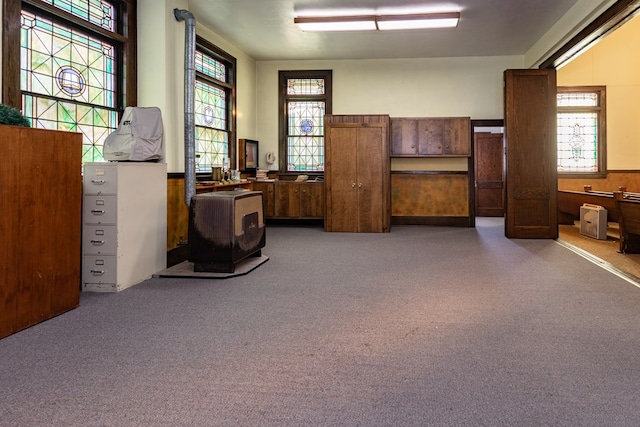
593, 221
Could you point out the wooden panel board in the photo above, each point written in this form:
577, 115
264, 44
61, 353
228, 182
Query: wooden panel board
530, 131
440, 194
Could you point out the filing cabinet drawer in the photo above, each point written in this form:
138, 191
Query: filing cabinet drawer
99, 239
99, 179
99, 269
99, 209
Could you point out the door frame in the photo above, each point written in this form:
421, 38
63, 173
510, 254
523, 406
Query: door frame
479, 124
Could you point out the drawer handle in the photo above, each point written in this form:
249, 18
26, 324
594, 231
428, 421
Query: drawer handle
97, 212
97, 272
97, 242
98, 181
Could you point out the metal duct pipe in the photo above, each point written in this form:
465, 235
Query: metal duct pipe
189, 102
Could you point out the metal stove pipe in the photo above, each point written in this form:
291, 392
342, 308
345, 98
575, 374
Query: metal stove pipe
189, 102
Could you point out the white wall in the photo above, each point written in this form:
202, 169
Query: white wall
437, 87
161, 74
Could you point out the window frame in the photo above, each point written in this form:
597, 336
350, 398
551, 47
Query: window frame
124, 39
284, 98
601, 110
229, 87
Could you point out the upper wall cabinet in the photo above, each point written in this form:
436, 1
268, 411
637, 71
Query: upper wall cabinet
431, 137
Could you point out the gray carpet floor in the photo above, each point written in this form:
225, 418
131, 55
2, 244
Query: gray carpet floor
423, 326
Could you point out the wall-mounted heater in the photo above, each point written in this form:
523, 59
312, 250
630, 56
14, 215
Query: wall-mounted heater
593, 221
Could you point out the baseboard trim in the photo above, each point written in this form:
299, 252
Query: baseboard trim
454, 221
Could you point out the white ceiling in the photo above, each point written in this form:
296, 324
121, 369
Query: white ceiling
264, 29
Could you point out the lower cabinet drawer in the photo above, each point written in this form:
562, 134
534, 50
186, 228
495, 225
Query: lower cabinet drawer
99, 239
98, 269
99, 209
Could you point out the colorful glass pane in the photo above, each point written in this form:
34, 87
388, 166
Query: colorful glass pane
211, 148
212, 138
577, 99
63, 63
209, 66
94, 123
578, 142
305, 86
305, 136
210, 106
97, 12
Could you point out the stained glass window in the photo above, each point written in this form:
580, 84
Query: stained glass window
305, 102
305, 86
95, 11
580, 129
68, 77
306, 136
577, 142
209, 66
213, 108
211, 122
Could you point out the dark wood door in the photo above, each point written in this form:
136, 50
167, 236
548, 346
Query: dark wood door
531, 177
489, 171
341, 178
370, 174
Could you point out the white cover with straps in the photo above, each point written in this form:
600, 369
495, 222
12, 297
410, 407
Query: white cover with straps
138, 137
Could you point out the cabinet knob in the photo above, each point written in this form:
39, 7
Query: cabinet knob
353, 185
359, 185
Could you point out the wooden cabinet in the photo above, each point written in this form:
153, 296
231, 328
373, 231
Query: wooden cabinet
357, 173
298, 199
40, 225
424, 137
268, 200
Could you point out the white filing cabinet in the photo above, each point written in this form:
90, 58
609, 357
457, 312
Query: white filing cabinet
124, 231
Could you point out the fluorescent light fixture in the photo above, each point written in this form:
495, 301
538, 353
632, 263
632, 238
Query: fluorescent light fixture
336, 23
378, 22
421, 21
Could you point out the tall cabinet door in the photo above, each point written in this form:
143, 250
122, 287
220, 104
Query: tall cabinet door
530, 131
341, 185
370, 157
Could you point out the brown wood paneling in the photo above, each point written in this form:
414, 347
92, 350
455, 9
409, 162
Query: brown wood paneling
531, 169
41, 196
429, 195
177, 213
615, 179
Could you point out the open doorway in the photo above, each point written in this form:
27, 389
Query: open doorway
489, 167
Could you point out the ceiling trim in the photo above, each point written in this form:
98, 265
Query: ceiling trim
619, 13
